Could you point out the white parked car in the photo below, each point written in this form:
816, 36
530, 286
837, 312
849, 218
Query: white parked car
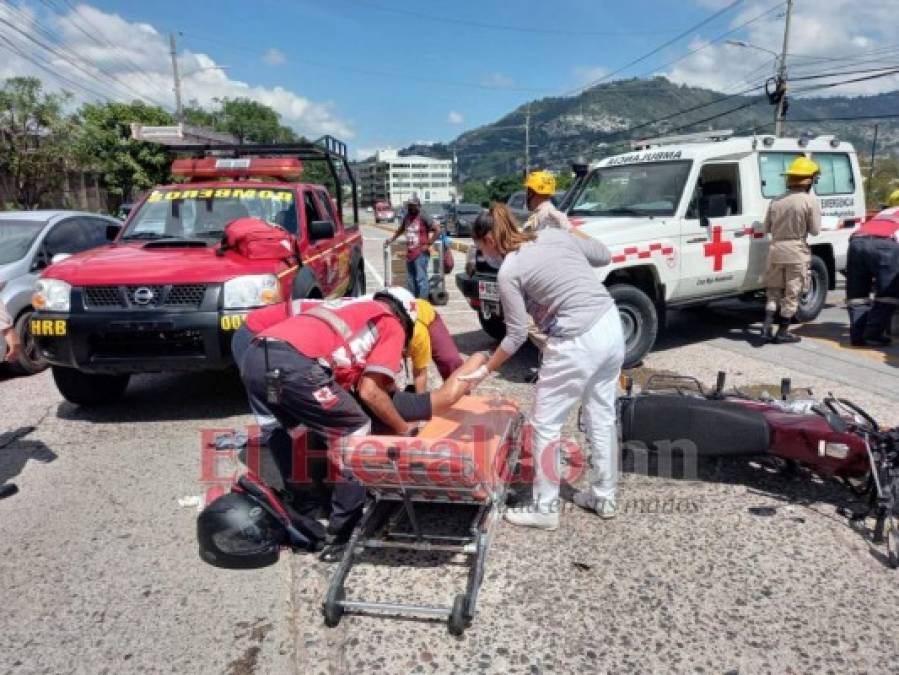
29, 241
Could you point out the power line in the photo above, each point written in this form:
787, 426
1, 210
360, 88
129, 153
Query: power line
75, 61
717, 39
655, 51
93, 37
12, 47
501, 27
368, 71
821, 76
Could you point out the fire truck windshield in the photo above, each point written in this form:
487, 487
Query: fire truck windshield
205, 212
644, 189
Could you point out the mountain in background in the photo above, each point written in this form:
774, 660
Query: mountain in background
601, 121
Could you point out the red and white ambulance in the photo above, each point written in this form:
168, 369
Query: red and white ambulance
684, 219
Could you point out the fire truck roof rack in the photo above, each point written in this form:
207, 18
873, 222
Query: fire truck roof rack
327, 149
699, 137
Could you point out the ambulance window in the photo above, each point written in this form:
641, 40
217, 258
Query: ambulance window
836, 174
771, 168
720, 191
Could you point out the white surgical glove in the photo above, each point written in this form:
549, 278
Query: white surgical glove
476, 376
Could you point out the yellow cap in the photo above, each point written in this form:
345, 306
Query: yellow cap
893, 199
541, 182
802, 167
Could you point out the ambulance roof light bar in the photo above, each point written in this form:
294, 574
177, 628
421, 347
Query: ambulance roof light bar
700, 137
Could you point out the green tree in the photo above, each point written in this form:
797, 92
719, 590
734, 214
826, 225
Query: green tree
254, 122
564, 179
475, 192
884, 181
35, 140
126, 166
502, 187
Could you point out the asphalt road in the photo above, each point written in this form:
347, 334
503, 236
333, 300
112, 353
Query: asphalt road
99, 570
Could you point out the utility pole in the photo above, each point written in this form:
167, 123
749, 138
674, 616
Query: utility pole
781, 110
179, 111
870, 185
527, 140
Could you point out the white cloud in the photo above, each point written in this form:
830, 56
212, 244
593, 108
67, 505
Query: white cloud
825, 36
455, 117
499, 80
274, 57
140, 67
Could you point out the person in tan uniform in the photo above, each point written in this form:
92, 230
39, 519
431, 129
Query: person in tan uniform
790, 220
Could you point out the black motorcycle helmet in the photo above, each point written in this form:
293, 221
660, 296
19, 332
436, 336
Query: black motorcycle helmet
236, 532
397, 309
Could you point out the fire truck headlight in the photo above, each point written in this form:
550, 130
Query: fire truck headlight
52, 295
253, 290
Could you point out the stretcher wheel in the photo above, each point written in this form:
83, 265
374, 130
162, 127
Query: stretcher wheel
439, 298
458, 620
332, 608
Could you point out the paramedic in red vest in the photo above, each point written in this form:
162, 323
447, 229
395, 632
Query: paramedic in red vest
326, 351
420, 234
320, 356
873, 265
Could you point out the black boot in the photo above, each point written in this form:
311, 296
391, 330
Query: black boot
784, 336
768, 327
8, 490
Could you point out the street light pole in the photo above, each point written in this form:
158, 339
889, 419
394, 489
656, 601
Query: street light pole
527, 140
179, 111
780, 112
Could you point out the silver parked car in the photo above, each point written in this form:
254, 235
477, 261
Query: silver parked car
29, 241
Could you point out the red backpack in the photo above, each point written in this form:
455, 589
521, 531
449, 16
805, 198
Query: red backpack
257, 240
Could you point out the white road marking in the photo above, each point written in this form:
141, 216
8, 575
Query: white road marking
374, 272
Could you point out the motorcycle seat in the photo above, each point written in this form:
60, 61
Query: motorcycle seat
717, 428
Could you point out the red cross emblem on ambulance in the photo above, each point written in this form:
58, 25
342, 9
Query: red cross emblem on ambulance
717, 249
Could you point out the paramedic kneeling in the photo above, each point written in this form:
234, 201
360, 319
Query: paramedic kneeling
549, 275
304, 368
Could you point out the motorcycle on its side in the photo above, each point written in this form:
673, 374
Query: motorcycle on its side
832, 437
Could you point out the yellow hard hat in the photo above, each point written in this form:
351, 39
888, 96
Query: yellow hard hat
541, 182
893, 199
802, 167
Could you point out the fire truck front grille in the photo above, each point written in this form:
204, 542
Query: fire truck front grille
148, 296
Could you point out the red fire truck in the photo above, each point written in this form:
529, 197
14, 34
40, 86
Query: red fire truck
168, 293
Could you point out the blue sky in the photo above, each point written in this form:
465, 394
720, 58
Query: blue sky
427, 56
380, 72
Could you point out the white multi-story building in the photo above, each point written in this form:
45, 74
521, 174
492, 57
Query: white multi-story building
394, 179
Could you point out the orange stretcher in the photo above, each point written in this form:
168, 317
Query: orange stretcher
465, 458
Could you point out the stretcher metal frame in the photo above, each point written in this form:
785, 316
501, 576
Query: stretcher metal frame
379, 530
436, 277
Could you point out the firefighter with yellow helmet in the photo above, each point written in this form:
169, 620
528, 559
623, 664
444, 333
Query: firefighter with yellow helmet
541, 186
791, 218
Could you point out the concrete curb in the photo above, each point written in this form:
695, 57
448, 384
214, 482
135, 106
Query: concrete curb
455, 245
